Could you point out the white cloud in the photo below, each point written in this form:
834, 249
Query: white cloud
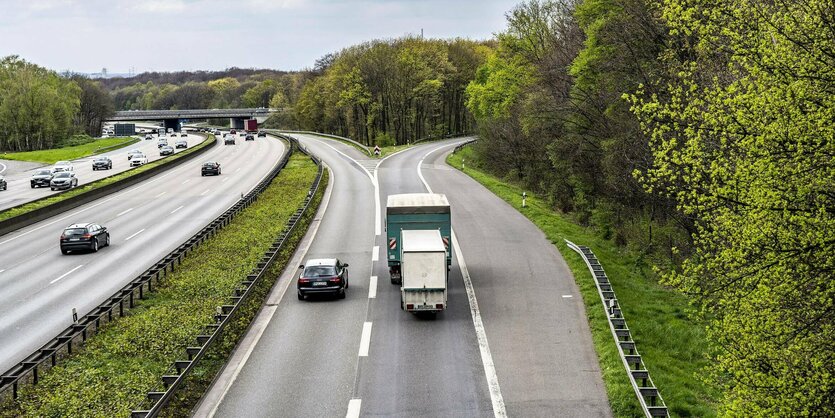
158, 6
43, 5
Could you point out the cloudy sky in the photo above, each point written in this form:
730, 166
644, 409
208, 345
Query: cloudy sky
169, 35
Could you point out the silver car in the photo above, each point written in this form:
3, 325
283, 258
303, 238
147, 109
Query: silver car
63, 180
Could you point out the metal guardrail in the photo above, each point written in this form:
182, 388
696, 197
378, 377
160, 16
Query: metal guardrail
648, 395
179, 371
337, 137
462, 145
76, 334
435, 138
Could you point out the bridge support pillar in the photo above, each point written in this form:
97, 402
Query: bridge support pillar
172, 123
237, 123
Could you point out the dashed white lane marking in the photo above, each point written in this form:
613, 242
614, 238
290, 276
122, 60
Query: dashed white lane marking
187, 180
204, 192
2, 270
224, 179
124, 212
354, 408
375, 255
372, 287
66, 274
135, 234
567, 296
160, 195
2, 169
365, 340
496, 398
175, 210
237, 169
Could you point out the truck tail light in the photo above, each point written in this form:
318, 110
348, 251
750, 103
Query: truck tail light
410, 306
439, 306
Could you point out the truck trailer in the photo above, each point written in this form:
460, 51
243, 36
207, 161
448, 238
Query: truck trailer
251, 125
424, 271
415, 211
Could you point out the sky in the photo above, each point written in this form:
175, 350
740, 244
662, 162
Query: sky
171, 35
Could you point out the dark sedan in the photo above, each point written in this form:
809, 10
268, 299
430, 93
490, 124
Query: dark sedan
3, 184
41, 178
249, 137
323, 275
86, 236
262, 133
102, 163
210, 167
166, 150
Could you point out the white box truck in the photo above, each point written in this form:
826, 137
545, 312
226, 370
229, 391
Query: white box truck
424, 271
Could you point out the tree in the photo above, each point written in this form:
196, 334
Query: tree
743, 141
95, 106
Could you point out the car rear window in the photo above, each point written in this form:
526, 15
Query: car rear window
43, 173
62, 174
319, 271
75, 231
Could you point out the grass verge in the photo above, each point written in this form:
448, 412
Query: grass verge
672, 345
111, 374
50, 156
28, 207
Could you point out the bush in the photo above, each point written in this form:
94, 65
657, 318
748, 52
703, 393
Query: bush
74, 140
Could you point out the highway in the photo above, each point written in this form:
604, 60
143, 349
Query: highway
20, 191
513, 342
39, 286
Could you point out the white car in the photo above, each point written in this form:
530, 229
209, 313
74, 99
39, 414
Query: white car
138, 159
62, 166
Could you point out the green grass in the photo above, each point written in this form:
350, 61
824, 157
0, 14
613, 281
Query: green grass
672, 345
28, 207
50, 156
116, 368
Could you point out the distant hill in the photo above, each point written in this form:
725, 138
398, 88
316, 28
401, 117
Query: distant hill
116, 81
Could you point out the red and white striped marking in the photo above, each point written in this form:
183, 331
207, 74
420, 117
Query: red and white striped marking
392, 243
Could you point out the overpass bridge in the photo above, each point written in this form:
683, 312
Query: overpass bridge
172, 118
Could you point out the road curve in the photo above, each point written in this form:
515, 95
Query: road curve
531, 355
40, 286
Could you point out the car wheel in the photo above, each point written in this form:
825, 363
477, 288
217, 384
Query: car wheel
33, 186
107, 240
52, 188
65, 252
342, 294
95, 245
300, 295
347, 283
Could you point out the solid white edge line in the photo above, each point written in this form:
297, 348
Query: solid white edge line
496, 398
365, 340
175, 210
269, 311
375, 253
66, 274
354, 408
372, 287
135, 234
123, 212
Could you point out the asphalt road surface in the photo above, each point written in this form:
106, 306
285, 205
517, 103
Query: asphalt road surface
20, 191
39, 286
514, 340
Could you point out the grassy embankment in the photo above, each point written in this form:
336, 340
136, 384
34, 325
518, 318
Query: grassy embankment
12, 212
111, 375
50, 156
672, 346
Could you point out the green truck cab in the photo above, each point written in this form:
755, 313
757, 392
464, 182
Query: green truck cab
415, 211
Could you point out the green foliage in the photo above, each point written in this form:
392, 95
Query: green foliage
743, 140
406, 89
123, 361
36, 106
672, 345
78, 146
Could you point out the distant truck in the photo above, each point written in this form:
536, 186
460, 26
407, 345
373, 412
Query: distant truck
251, 125
415, 211
424, 271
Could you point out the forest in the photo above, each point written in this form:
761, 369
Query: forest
698, 133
